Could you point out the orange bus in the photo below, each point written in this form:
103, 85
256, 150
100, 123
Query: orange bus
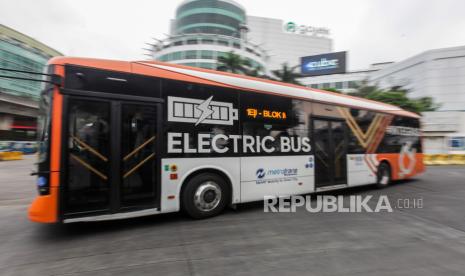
124, 139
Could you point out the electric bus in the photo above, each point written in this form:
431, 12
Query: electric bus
122, 139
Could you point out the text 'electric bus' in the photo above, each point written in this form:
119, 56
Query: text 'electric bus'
125, 139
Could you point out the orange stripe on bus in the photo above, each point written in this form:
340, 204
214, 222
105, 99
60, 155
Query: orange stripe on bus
45, 208
393, 160
55, 143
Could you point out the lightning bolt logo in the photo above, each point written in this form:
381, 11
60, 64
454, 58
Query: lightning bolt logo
205, 109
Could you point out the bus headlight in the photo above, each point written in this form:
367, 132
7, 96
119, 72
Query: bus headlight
41, 181
42, 185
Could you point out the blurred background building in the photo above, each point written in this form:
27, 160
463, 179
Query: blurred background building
287, 42
437, 73
443, 132
19, 98
204, 30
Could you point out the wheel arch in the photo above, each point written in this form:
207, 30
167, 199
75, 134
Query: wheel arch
388, 162
207, 169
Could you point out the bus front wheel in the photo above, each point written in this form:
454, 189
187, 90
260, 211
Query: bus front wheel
383, 177
205, 195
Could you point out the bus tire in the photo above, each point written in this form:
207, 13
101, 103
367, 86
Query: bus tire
383, 176
205, 195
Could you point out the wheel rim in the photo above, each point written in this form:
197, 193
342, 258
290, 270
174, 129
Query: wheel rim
207, 196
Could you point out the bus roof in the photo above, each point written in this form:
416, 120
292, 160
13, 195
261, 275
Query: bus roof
225, 79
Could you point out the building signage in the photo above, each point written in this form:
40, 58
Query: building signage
325, 64
292, 27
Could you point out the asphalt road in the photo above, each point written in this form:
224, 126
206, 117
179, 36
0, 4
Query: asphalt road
421, 241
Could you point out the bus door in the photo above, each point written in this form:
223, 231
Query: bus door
110, 153
330, 145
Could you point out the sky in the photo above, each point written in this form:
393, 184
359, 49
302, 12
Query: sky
370, 30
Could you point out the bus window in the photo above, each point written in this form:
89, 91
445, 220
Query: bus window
43, 124
138, 154
88, 155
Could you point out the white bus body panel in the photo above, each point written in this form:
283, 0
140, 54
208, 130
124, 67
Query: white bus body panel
261, 176
276, 176
248, 183
358, 170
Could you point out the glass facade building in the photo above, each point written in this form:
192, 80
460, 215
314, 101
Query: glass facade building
209, 17
19, 98
204, 30
18, 51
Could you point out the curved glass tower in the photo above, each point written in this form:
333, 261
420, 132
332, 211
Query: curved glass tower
209, 17
204, 30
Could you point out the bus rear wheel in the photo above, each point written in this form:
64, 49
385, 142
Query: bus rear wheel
205, 195
383, 177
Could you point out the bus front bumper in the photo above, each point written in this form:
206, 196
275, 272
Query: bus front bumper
44, 209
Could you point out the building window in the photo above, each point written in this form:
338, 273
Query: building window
326, 85
205, 54
178, 43
237, 45
315, 85
177, 55
193, 64
191, 54
221, 54
192, 41
206, 65
207, 41
163, 58
169, 57
223, 42
338, 85
353, 84
457, 143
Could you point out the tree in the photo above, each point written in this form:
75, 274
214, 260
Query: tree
397, 96
287, 74
254, 72
231, 62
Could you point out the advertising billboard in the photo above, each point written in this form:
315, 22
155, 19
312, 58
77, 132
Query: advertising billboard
324, 64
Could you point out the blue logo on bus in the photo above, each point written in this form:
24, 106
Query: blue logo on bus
260, 173
309, 163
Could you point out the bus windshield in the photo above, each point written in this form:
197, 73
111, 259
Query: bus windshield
43, 123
